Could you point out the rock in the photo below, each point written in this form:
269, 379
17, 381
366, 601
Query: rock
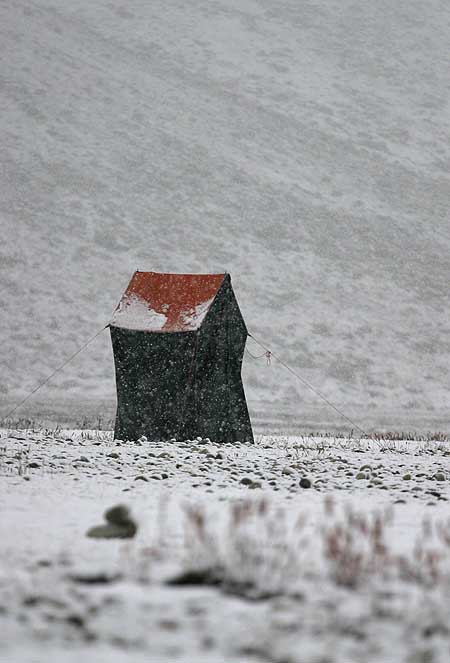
439, 476
407, 477
361, 475
305, 483
83, 459
119, 525
33, 465
111, 531
246, 481
113, 454
287, 470
164, 475
140, 477
254, 484
89, 578
118, 514
365, 467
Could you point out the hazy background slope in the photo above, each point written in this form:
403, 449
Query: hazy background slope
303, 146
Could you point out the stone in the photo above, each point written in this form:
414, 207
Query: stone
246, 481
33, 465
361, 475
407, 477
140, 477
119, 525
118, 514
439, 476
111, 531
287, 470
305, 483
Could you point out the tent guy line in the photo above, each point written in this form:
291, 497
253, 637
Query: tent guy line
267, 353
47, 379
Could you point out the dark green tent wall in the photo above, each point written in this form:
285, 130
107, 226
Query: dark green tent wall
178, 343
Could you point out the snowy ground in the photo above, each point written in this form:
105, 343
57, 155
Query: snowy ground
354, 568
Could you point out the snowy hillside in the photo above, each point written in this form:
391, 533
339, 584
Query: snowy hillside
301, 146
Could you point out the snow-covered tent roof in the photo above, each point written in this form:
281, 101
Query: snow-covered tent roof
166, 302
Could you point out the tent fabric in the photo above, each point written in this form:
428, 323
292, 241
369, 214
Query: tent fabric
180, 377
166, 302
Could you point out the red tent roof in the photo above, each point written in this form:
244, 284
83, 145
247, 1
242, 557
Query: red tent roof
166, 302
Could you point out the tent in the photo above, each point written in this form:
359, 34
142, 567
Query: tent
178, 342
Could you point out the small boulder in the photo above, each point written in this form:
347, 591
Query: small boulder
119, 525
118, 515
288, 470
305, 483
110, 531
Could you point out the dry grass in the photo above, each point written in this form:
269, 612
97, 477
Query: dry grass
263, 550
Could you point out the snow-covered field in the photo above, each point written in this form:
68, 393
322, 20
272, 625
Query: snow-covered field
294, 550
